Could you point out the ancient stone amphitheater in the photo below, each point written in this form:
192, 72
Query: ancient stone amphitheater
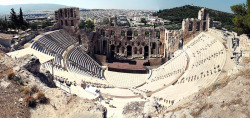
195, 66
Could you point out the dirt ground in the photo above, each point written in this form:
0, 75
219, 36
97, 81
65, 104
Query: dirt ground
12, 103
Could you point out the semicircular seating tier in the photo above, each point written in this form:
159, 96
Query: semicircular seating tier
70, 61
207, 57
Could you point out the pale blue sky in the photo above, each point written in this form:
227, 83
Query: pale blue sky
222, 5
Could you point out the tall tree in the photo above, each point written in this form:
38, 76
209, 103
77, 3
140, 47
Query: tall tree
13, 18
143, 20
242, 18
20, 18
90, 25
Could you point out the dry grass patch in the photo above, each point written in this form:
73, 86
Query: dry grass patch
41, 98
27, 91
34, 96
30, 101
10, 74
34, 89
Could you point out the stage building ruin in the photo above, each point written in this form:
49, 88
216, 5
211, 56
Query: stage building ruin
122, 42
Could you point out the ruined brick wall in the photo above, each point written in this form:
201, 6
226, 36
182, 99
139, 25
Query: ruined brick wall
190, 28
68, 19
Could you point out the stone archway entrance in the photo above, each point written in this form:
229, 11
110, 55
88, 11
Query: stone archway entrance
112, 53
129, 51
145, 51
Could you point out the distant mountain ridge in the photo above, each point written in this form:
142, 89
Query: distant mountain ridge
5, 9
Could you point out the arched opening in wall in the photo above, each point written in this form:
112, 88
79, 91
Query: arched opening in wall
135, 50
65, 12
66, 22
61, 13
190, 27
140, 50
129, 50
204, 26
123, 49
159, 47
198, 26
104, 46
129, 35
61, 22
153, 47
71, 12
103, 32
158, 35
98, 47
72, 23
180, 43
112, 53
79, 39
74, 13
205, 15
145, 51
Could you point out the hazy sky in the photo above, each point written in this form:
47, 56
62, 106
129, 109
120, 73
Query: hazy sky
222, 5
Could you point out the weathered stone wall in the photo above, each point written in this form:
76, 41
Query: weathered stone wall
129, 41
5, 42
155, 61
190, 28
33, 64
68, 19
192, 25
101, 58
132, 42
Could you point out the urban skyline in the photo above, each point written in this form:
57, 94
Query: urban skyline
221, 5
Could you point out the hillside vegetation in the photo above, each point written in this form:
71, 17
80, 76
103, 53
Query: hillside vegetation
177, 14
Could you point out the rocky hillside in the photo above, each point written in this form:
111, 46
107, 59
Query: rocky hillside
229, 98
25, 93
